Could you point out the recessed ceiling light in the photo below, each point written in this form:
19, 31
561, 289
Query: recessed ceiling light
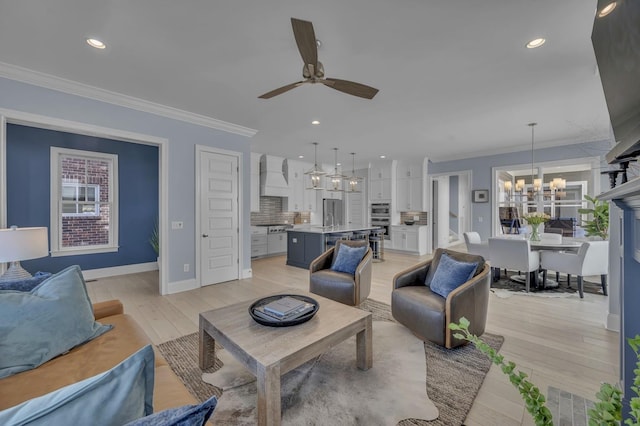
94, 42
607, 9
535, 43
383, 156
316, 122
300, 156
338, 164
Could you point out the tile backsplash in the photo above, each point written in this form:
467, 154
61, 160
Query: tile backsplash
409, 216
271, 213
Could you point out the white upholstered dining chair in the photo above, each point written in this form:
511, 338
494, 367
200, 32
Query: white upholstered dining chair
592, 258
475, 245
515, 254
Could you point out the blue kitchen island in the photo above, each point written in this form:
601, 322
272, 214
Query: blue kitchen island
305, 244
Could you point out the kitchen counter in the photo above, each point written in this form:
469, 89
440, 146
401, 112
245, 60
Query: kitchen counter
317, 229
304, 244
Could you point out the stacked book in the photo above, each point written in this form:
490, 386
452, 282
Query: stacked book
284, 309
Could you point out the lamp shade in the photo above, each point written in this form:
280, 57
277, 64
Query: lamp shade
507, 185
23, 243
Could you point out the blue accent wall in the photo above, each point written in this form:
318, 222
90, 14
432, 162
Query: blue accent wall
28, 188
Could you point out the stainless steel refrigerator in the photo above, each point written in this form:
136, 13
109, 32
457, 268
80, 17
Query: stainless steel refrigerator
332, 212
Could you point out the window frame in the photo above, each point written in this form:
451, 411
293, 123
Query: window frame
56, 214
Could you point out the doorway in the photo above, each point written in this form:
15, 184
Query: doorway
219, 230
450, 208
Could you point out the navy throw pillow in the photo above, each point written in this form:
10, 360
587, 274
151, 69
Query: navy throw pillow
25, 284
348, 258
187, 415
451, 274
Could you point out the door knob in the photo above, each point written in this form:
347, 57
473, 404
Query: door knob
205, 235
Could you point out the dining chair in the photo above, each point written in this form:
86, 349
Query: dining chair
515, 254
592, 258
475, 245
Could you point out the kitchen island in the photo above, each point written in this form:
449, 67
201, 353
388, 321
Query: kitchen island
305, 244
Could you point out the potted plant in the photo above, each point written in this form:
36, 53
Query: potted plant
154, 240
598, 226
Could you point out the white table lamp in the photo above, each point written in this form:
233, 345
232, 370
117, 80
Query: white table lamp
18, 244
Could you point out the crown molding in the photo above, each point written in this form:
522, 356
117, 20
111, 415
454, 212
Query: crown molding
25, 75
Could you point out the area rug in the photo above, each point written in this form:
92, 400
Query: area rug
332, 387
453, 376
510, 287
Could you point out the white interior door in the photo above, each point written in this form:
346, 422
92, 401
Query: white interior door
219, 252
443, 212
356, 209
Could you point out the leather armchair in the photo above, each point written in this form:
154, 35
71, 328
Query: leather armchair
428, 314
339, 286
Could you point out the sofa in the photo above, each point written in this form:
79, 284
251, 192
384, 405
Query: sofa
94, 357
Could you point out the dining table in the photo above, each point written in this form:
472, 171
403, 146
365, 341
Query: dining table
571, 246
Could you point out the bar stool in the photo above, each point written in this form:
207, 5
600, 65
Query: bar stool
376, 241
361, 235
330, 239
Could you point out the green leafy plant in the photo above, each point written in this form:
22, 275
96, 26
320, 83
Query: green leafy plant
607, 410
599, 224
533, 398
154, 240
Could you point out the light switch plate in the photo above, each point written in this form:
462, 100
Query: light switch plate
177, 225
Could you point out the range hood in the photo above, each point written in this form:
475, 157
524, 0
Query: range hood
272, 180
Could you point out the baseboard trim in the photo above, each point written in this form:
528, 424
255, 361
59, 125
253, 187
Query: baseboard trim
180, 286
94, 274
613, 322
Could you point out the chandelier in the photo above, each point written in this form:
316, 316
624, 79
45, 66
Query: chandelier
315, 173
353, 184
336, 179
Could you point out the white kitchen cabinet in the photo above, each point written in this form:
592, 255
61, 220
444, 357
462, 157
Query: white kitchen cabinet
409, 238
301, 199
409, 194
277, 243
258, 241
380, 170
380, 181
409, 187
254, 182
380, 190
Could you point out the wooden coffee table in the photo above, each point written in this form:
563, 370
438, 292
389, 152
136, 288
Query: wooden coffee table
270, 352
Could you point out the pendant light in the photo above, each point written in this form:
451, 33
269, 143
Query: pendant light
353, 184
336, 180
315, 173
537, 182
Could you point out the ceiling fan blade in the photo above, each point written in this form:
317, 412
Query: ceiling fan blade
351, 87
306, 41
281, 90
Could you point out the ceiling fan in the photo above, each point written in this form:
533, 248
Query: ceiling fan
313, 71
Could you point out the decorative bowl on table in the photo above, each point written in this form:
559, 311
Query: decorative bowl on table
409, 222
273, 322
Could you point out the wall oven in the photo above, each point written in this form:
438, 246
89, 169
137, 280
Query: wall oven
381, 210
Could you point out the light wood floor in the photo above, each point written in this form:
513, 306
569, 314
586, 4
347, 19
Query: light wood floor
557, 341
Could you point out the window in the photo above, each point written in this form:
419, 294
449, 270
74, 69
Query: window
80, 200
84, 214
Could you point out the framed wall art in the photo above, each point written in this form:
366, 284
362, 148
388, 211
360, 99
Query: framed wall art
480, 195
